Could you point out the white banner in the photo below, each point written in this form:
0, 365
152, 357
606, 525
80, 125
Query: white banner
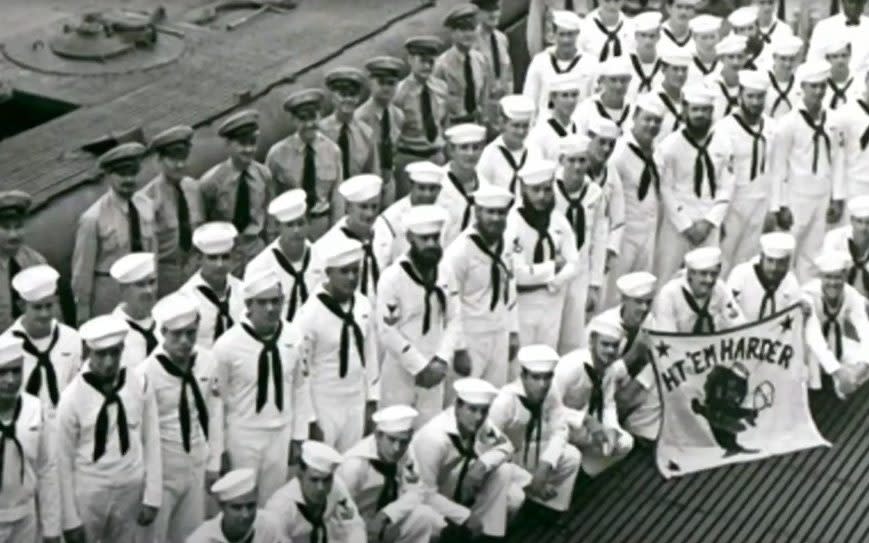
733, 396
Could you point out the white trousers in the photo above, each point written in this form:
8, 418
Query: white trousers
108, 511
563, 476
635, 254
182, 509
540, 315
266, 451
594, 460
489, 352
642, 414
572, 333
810, 224
419, 526
341, 417
743, 227
672, 246
397, 386
492, 501
23, 530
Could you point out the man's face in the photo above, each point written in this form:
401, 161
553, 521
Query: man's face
813, 93
344, 279
239, 514
141, 294
466, 155
10, 381
122, 178
564, 102
753, 101
765, 9
841, 59
539, 197
775, 268
105, 363
565, 40
40, 313
421, 65
491, 221
243, 148
346, 100
264, 310
647, 41
424, 193
363, 213
701, 282
646, 125
464, 36
306, 121
536, 384
860, 227
513, 131
575, 166
784, 63
706, 41
426, 247
294, 231
853, 9
173, 163
179, 342
635, 310
489, 18
383, 88
616, 85
734, 61
682, 11
470, 417
674, 76
216, 266
315, 485
391, 447
833, 285
698, 117
606, 348
11, 231
600, 147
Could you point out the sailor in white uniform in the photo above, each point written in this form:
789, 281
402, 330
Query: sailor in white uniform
706, 32
843, 86
645, 60
136, 275
855, 128
725, 84
676, 32
502, 159
674, 69
783, 94
606, 32
853, 240
743, 22
564, 95
611, 102
465, 143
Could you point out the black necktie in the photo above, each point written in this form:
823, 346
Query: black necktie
595, 402
469, 199
605, 114
185, 232
839, 96
241, 216
344, 145
135, 228
427, 112
834, 9
470, 86
568, 5
101, 432
319, 533
704, 323
43, 364
732, 101
508, 156
188, 381
703, 68
567, 68
758, 145
495, 268
781, 94
534, 426
386, 140
222, 321
780, 14
8, 432
858, 266
299, 292
703, 165
612, 45
14, 268
769, 289
369, 262
540, 223
348, 324
468, 455
496, 55
269, 359
147, 334
681, 43
575, 212
671, 107
831, 324
645, 80
864, 138
389, 490
309, 176
650, 175
819, 135
430, 288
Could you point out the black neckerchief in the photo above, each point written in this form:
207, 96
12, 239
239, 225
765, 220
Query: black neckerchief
769, 289
758, 145
819, 135
703, 166
222, 321
348, 323
612, 45
468, 455
469, 198
534, 426
7, 432
831, 324
539, 221
704, 323
671, 107
595, 402
299, 292
269, 359
569, 67
839, 92
601, 109
681, 43
864, 138
650, 175
702, 67
781, 94
188, 380
575, 212
858, 266
146, 333
430, 287
43, 364
368, 262
495, 269
389, 490
319, 532
645, 80
102, 425
515, 166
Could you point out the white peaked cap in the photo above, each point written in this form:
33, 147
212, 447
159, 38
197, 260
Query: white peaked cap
835, 43
698, 94
11, 351
426, 219
395, 418
133, 267
537, 172
650, 103
475, 391
616, 67
465, 133
704, 24
341, 252
831, 261
753, 80
103, 332
647, 21
361, 188
636, 284
518, 107
573, 144
566, 20
858, 206
606, 325
744, 16
320, 456
175, 311
289, 206
703, 258
492, 196
603, 127
234, 484
813, 71
36, 282
215, 238
777, 244
257, 283
537, 358
731, 44
676, 56
786, 45
425, 172
563, 82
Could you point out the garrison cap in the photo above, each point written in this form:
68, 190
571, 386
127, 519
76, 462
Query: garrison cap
385, 66
424, 45
487, 5
304, 99
239, 124
124, 153
345, 78
14, 203
462, 16
175, 137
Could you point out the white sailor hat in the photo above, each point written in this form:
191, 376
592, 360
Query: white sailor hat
103, 332
703, 258
425, 172
537, 172
753, 80
835, 43
175, 311
705, 24
256, 284
698, 94
777, 244
563, 82
36, 282
616, 67
215, 238
465, 133
289, 206
676, 56
426, 219
11, 352
517, 107
341, 252
732, 44
647, 21
786, 45
636, 284
475, 391
235, 484
394, 419
537, 358
692, 3
361, 188
566, 20
831, 261
492, 196
604, 324
742, 17
603, 127
813, 71
650, 103
858, 206
133, 267
573, 144
320, 456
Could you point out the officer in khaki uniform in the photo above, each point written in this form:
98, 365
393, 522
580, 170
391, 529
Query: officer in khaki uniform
495, 47
308, 160
239, 189
177, 207
14, 255
119, 222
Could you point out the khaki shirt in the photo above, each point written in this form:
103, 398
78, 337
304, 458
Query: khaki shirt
218, 188
166, 228
363, 156
450, 67
371, 115
408, 99
501, 85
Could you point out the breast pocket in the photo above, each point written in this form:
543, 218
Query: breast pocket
112, 239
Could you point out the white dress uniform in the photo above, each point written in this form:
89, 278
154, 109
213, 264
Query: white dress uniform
217, 312
674, 308
602, 41
29, 473
265, 530
775, 31
295, 275
841, 239
544, 65
836, 27
726, 96
456, 199
669, 41
845, 92
545, 134
672, 120
698, 70
646, 76
855, 128
141, 340
592, 107
500, 166
782, 96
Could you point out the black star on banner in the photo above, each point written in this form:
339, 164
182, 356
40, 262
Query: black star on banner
786, 324
663, 349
